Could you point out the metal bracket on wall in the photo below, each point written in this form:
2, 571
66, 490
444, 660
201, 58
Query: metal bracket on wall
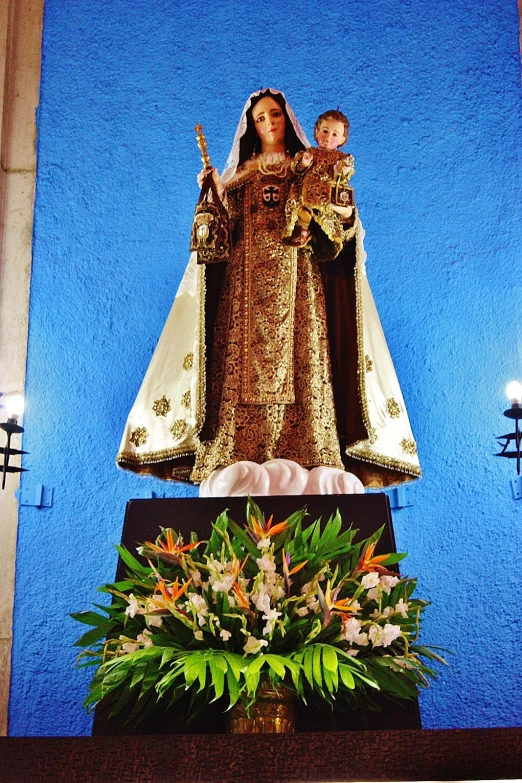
36, 495
146, 494
400, 497
516, 486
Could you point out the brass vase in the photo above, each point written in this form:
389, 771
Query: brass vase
272, 713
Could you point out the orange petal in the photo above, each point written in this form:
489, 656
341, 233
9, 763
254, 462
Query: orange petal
298, 568
278, 528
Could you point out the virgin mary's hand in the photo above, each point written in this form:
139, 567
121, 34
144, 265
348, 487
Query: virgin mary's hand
215, 176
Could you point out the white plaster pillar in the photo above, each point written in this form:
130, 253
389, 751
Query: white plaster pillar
20, 55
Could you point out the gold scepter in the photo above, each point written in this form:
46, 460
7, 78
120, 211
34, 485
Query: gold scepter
202, 144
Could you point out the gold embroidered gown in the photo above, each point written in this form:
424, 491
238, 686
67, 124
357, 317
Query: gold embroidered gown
269, 390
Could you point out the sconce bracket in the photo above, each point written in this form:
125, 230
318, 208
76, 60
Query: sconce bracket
147, 494
36, 495
401, 496
516, 486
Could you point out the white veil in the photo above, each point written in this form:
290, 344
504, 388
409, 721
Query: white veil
233, 159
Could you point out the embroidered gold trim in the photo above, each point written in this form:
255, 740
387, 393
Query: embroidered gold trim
372, 435
408, 446
151, 457
139, 436
368, 363
392, 408
185, 399
188, 361
161, 406
202, 358
360, 329
349, 233
368, 455
179, 428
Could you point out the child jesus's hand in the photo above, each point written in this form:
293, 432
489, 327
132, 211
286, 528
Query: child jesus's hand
306, 159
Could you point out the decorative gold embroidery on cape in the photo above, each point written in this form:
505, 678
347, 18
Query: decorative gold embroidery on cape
368, 363
162, 406
139, 436
408, 446
393, 408
185, 399
188, 361
179, 428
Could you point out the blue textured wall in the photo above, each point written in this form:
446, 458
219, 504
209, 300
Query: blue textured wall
432, 91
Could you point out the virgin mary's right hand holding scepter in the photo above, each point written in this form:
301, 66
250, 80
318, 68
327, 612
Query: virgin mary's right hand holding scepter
205, 159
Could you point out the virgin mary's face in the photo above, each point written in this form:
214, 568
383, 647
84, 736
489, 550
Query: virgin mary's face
270, 125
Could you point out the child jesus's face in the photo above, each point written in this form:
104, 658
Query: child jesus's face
330, 134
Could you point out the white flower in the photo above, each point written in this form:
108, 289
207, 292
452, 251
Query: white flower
388, 582
266, 563
128, 647
402, 608
263, 543
223, 585
302, 612
214, 565
253, 645
225, 635
386, 612
270, 616
370, 580
261, 600
352, 632
144, 639
314, 606
133, 607
352, 652
390, 633
198, 635
382, 637
373, 594
196, 578
155, 620
199, 605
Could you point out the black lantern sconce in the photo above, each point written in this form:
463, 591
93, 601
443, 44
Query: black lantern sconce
14, 405
514, 392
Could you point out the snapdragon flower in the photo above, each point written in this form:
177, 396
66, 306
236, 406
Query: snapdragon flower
144, 639
401, 607
383, 636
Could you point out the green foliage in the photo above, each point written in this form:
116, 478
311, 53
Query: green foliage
302, 604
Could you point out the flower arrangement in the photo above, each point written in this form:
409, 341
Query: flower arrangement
301, 604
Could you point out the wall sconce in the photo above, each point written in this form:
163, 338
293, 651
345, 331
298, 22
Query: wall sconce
14, 405
514, 393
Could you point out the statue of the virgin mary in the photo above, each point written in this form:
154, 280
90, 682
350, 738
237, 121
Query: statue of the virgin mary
277, 353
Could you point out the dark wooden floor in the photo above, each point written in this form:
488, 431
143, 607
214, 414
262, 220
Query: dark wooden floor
474, 754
